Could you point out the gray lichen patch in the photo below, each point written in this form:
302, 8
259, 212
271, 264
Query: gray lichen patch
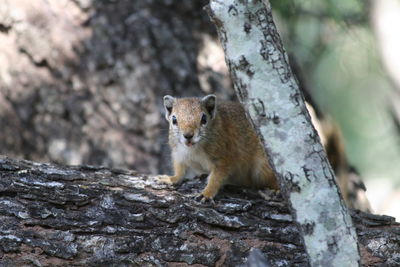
278, 217
213, 217
233, 206
107, 202
9, 206
138, 198
140, 181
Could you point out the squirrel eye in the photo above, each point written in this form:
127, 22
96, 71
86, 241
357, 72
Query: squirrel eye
203, 119
174, 121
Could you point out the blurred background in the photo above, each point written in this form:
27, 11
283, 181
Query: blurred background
81, 81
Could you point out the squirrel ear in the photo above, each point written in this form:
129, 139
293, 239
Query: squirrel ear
210, 102
168, 103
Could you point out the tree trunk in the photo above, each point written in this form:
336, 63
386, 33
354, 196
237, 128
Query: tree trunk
265, 84
93, 216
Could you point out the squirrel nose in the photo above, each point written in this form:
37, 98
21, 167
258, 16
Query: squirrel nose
188, 136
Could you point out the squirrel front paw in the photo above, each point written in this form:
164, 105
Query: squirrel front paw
166, 179
205, 198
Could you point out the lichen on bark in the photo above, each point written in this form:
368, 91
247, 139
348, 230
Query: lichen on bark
267, 87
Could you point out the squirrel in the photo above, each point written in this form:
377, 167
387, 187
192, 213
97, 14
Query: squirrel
218, 139
349, 181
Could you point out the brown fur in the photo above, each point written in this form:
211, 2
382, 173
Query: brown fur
229, 148
230, 151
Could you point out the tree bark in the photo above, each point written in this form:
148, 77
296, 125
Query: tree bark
266, 86
81, 81
93, 216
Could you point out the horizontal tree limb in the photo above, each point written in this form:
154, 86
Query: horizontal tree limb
84, 216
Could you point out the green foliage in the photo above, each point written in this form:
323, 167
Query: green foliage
337, 10
334, 45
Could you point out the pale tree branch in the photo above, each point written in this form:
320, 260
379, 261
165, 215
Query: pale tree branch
266, 86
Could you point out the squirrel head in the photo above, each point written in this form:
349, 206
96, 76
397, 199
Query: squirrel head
189, 118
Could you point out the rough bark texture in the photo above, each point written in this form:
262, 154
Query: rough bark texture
81, 81
89, 216
267, 87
